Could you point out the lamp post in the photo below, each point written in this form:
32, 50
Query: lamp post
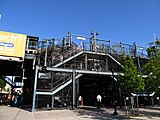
114, 85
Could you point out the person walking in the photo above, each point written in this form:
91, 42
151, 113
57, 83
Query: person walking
99, 99
80, 100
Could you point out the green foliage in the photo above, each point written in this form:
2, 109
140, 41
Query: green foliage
153, 51
2, 84
157, 42
132, 80
152, 69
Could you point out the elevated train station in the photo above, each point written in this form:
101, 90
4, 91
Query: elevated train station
55, 72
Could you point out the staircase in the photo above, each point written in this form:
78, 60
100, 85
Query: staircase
64, 84
57, 57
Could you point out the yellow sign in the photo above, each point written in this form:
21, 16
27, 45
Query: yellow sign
12, 44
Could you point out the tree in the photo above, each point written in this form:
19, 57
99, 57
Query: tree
2, 84
152, 69
132, 80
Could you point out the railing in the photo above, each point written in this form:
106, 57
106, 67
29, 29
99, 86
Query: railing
116, 48
59, 80
66, 53
58, 53
63, 79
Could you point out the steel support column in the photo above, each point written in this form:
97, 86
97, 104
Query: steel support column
73, 90
77, 82
52, 102
86, 61
34, 91
107, 63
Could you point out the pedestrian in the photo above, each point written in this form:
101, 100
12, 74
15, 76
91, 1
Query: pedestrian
99, 99
15, 101
9, 99
12, 101
19, 99
80, 100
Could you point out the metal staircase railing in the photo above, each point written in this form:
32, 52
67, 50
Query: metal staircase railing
64, 84
56, 80
59, 86
58, 56
60, 80
68, 58
65, 56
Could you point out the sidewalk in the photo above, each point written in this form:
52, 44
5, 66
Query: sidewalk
83, 113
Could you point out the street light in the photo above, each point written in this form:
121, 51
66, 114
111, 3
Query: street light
115, 102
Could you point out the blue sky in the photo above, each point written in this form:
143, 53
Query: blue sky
124, 21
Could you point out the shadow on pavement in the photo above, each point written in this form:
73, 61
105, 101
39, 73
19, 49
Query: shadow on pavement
99, 114
150, 112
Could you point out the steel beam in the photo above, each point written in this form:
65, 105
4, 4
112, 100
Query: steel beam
81, 71
73, 89
86, 62
52, 102
107, 63
35, 87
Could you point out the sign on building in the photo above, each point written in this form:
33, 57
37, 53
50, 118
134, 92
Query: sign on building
12, 44
44, 75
